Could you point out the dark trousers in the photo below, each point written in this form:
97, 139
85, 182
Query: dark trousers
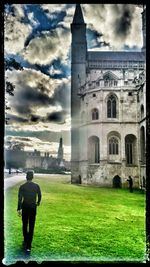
28, 222
131, 189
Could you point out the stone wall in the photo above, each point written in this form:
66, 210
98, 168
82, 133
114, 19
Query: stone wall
102, 174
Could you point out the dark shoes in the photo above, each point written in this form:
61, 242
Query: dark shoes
28, 251
26, 246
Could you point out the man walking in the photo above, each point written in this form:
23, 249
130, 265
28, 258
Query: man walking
29, 197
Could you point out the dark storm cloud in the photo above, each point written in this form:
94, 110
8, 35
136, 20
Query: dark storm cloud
122, 24
22, 109
46, 135
34, 118
32, 95
94, 39
15, 118
116, 23
24, 139
62, 95
29, 99
57, 116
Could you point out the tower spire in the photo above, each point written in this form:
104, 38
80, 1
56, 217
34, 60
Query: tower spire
78, 16
78, 73
60, 149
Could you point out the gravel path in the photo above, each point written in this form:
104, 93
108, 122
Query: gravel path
11, 181
17, 178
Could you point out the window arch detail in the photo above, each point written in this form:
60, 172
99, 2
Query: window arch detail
142, 112
130, 149
113, 146
95, 114
93, 149
142, 144
111, 107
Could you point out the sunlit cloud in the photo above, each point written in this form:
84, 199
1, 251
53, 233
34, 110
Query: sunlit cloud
53, 8
47, 47
16, 33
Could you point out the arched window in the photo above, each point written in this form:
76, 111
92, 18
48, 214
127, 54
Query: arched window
129, 152
142, 144
110, 79
130, 149
111, 107
142, 112
113, 146
105, 82
95, 114
93, 149
115, 83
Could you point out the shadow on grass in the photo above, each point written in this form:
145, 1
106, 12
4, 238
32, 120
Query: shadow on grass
22, 254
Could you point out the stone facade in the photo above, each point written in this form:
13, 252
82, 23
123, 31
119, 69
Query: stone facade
108, 112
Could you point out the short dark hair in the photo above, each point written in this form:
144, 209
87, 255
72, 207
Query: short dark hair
30, 175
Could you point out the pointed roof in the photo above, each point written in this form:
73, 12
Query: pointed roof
110, 75
78, 16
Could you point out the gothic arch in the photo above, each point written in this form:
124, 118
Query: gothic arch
114, 133
93, 149
131, 149
113, 145
95, 114
142, 112
142, 144
110, 79
110, 75
117, 181
112, 105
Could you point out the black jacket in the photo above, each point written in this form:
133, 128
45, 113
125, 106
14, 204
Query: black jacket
27, 195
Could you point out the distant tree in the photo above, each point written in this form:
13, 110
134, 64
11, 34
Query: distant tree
10, 64
19, 147
15, 158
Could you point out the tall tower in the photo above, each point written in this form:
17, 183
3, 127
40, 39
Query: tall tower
144, 28
60, 150
78, 77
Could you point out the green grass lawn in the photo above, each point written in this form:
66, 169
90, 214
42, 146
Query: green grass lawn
79, 223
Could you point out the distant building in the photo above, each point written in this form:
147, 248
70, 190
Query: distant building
108, 111
36, 159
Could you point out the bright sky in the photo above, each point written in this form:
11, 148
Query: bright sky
38, 37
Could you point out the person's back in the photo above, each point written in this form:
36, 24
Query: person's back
29, 192
27, 203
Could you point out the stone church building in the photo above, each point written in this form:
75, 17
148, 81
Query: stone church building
108, 110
